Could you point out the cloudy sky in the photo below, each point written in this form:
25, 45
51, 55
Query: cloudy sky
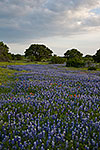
59, 24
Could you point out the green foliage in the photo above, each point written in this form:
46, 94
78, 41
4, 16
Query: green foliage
96, 57
57, 60
73, 53
9, 56
31, 58
4, 55
38, 51
75, 62
88, 60
17, 57
92, 68
44, 60
74, 58
13, 56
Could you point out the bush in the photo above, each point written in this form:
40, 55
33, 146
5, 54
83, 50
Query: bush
4, 55
92, 68
31, 58
57, 60
74, 63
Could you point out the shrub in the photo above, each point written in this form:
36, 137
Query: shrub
92, 68
31, 58
74, 63
4, 55
57, 60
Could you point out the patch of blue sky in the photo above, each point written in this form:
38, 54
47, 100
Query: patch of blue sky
96, 10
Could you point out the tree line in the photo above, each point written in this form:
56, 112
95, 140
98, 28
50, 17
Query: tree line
40, 52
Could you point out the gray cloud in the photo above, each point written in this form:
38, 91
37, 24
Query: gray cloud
30, 19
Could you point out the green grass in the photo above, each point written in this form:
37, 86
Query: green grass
21, 63
6, 75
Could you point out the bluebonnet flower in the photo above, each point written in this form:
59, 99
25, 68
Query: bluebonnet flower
62, 109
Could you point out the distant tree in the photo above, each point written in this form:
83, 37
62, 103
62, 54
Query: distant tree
96, 57
39, 52
57, 60
13, 56
4, 55
88, 57
75, 62
18, 57
88, 60
73, 53
10, 56
31, 58
74, 58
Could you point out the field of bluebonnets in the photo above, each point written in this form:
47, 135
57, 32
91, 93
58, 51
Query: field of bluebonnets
50, 108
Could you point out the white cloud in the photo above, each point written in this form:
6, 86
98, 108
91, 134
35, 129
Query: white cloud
54, 17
